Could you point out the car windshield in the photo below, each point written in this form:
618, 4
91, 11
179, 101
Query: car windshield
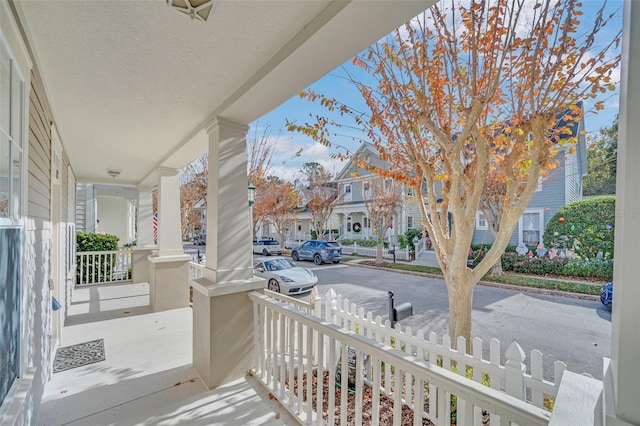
277, 265
332, 244
271, 243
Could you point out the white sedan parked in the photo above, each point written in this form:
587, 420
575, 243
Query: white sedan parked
283, 276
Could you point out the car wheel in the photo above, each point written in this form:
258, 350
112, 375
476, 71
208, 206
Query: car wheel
265, 252
294, 256
317, 259
274, 286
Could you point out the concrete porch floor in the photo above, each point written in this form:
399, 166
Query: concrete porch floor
147, 377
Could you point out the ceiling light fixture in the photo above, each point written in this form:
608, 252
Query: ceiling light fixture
196, 9
113, 173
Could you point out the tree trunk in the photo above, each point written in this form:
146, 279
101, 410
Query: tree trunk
460, 301
379, 258
496, 270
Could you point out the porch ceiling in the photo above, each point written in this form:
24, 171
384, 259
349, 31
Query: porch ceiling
132, 84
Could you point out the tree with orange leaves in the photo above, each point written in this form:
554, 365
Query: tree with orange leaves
279, 199
469, 91
381, 207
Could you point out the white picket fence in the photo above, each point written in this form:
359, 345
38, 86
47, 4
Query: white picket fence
510, 376
104, 267
387, 253
291, 344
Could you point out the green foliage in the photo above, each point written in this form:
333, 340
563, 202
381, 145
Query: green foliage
521, 280
360, 242
586, 227
96, 268
587, 268
592, 268
601, 157
407, 239
95, 242
328, 232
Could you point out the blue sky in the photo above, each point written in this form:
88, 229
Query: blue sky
296, 109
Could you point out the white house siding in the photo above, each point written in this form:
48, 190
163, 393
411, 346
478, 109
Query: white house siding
36, 314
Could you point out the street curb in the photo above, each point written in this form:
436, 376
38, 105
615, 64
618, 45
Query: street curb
522, 289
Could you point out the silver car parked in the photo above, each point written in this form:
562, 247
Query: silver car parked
283, 276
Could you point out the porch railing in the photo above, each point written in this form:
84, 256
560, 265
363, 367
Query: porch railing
104, 267
351, 249
195, 270
298, 373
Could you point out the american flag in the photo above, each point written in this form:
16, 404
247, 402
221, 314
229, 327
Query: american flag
155, 228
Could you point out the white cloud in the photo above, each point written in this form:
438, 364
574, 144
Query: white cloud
287, 164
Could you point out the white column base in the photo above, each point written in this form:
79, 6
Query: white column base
140, 263
223, 329
169, 282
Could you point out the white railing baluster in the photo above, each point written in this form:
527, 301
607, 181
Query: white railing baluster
269, 346
418, 403
320, 382
292, 357
257, 331
344, 384
397, 396
375, 415
331, 410
282, 364
301, 357
359, 387
309, 400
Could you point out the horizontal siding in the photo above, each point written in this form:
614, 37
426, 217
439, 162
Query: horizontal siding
39, 162
550, 199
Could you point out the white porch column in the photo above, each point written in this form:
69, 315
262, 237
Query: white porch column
625, 346
222, 311
169, 225
169, 267
144, 238
145, 217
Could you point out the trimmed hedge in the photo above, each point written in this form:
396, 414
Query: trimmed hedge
594, 268
586, 227
587, 268
100, 268
95, 242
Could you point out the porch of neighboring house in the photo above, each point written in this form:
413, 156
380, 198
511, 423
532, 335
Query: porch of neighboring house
147, 376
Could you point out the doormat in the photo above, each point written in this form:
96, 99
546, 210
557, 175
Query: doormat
78, 355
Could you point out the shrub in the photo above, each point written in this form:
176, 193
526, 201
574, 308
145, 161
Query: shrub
586, 227
407, 238
593, 268
96, 268
95, 242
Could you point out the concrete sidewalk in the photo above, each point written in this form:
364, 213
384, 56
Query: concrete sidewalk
147, 376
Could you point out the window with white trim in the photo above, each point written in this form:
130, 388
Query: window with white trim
12, 123
531, 226
481, 221
346, 190
409, 222
366, 190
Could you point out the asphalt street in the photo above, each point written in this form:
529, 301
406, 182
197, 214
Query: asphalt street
577, 332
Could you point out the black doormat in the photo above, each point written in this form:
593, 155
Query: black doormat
78, 355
